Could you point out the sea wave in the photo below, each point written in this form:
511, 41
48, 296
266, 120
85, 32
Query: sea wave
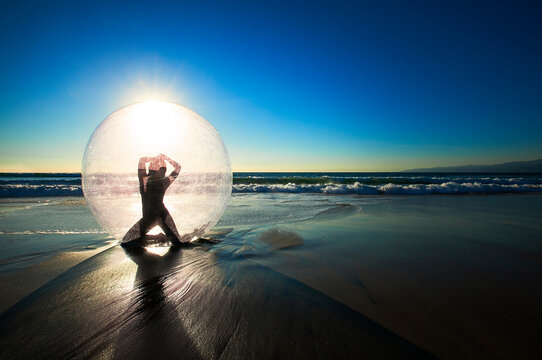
327, 183
39, 181
383, 180
391, 189
355, 188
53, 232
39, 190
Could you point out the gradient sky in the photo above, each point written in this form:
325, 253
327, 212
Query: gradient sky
329, 86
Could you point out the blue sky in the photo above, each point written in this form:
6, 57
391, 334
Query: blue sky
329, 86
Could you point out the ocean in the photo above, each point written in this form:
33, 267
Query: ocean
43, 214
399, 183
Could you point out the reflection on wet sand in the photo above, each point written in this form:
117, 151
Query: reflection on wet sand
157, 330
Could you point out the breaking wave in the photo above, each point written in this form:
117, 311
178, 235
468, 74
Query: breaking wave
39, 190
391, 189
327, 183
53, 232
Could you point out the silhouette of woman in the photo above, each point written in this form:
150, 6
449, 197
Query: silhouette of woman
153, 186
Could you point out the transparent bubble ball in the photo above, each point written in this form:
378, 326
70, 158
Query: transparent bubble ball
111, 172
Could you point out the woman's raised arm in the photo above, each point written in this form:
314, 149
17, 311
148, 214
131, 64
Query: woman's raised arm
176, 167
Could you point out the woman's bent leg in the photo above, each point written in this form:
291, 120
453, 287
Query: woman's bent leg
136, 233
168, 225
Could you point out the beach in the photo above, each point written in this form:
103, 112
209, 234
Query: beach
283, 180
306, 274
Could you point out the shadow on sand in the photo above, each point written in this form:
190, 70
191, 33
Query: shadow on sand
157, 331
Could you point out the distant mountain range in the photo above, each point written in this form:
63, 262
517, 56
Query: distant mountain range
533, 166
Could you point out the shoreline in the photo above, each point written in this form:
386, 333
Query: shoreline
451, 276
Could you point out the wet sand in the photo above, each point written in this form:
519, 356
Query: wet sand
449, 277
16, 286
187, 305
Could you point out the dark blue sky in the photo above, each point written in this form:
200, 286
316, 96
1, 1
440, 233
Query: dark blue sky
380, 85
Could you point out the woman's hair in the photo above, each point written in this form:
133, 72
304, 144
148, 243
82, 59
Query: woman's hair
157, 163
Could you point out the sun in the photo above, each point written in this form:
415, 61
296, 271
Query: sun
144, 125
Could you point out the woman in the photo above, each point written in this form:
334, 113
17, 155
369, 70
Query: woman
153, 186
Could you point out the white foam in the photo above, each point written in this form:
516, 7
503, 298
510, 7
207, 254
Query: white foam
364, 185
449, 187
53, 232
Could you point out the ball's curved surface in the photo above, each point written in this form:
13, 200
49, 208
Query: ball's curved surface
196, 198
